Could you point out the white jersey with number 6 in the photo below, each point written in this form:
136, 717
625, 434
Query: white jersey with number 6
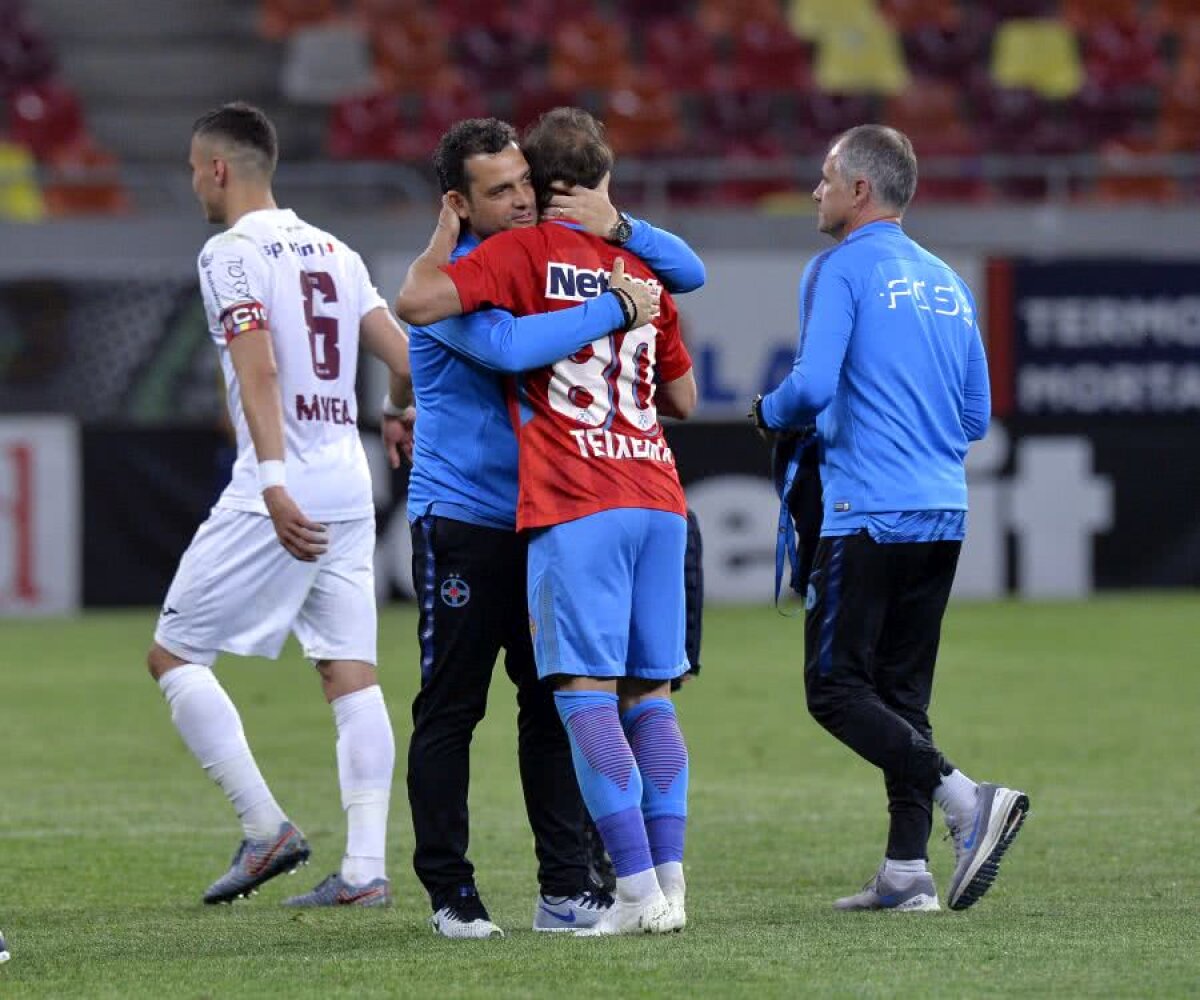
273, 270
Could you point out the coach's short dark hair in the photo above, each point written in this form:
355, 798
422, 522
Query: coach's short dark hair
246, 128
472, 137
568, 145
885, 157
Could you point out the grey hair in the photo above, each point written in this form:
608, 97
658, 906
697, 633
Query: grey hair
885, 157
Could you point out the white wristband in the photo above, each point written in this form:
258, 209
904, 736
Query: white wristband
271, 473
390, 409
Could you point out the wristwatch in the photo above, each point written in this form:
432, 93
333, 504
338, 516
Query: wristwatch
621, 231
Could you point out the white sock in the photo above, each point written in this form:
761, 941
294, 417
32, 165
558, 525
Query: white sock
366, 755
956, 795
634, 888
212, 730
670, 879
904, 871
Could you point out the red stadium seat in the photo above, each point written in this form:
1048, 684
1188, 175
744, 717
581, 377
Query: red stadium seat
682, 53
589, 52
279, 18
534, 95
494, 57
1084, 14
46, 117
1123, 53
770, 57
366, 128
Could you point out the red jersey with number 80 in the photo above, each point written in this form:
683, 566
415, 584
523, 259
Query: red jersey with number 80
589, 433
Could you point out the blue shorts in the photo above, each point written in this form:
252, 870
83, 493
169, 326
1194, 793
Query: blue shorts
606, 595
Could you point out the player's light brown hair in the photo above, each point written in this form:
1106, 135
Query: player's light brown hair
568, 145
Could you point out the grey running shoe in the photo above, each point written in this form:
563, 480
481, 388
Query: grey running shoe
882, 893
336, 891
257, 861
4, 955
461, 914
999, 813
569, 913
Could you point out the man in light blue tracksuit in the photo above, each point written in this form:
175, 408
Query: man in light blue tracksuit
892, 370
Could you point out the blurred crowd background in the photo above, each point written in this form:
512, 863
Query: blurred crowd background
716, 100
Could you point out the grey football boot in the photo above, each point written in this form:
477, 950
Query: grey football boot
258, 861
336, 891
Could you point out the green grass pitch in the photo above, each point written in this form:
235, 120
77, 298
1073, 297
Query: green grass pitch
109, 831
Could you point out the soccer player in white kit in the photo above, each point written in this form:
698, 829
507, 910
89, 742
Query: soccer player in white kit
289, 545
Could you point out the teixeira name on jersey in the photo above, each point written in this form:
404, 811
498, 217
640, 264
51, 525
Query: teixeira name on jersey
600, 443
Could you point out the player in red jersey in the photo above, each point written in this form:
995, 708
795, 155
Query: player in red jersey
600, 494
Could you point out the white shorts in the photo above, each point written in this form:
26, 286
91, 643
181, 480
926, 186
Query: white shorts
237, 590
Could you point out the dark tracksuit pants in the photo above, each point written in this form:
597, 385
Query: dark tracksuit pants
470, 582
872, 630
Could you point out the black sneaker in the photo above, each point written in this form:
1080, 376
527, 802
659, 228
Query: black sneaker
461, 914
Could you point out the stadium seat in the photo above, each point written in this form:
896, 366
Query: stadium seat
949, 48
367, 127
721, 18
766, 56
534, 95
1083, 14
1179, 120
861, 57
831, 113
411, 54
83, 179
25, 55
682, 53
744, 122
1109, 114
643, 117
46, 117
20, 196
1123, 53
589, 52
1125, 178
494, 57
909, 15
1038, 53
813, 19
1175, 15
279, 18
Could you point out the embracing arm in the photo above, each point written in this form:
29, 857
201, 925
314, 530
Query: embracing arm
428, 294
669, 257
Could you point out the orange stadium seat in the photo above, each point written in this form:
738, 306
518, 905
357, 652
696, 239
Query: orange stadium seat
908, 15
84, 180
279, 18
589, 52
721, 18
1179, 121
643, 117
411, 53
1125, 180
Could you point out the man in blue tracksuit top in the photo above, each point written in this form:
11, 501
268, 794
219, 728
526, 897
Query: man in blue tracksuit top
891, 368
469, 562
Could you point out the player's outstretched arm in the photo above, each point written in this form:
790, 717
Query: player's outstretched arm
427, 294
677, 398
258, 383
669, 257
496, 339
